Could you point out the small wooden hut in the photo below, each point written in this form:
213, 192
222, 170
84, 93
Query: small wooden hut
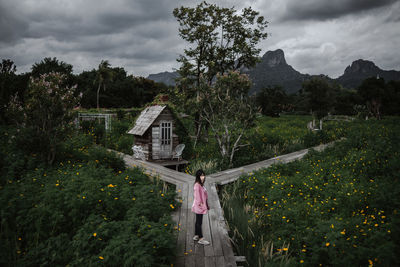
154, 132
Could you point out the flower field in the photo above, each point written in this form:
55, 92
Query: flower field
339, 207
86, 209
268, 138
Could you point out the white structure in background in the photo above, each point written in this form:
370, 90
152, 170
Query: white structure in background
94, 116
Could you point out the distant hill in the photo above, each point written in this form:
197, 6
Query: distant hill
166, 77
362, 69
273, 70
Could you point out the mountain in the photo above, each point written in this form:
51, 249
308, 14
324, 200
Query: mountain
273, 70
360, 70
166, 77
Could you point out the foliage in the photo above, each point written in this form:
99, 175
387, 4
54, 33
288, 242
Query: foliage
391, 98
271, 137
86, 210
372, 91
221, 40
126, 91
228, 111
272, 101
7, 80
49, 65
338, 207
104, 76
47, 112
320, 96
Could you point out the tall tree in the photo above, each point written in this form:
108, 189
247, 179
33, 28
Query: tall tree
320, 97
220, 40
272, 100
228, 110
8, 85
372, 91
47, 111
104, 75
48, 65
7, 66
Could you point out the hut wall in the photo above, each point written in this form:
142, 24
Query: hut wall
145, 142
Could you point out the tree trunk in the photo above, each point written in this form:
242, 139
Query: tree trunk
320, 124
198, 131
98, 92
197, 125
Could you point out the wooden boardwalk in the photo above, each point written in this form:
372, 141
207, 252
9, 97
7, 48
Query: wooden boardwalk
220, 252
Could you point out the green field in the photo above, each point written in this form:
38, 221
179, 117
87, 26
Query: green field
85, 210
339, 207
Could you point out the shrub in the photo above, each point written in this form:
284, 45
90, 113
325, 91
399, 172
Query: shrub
80, 214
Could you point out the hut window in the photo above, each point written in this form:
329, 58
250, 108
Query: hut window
165, 133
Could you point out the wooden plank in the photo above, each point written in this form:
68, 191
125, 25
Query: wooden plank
181, 247
190, 243
199, 258
214, 218
208, 250
220, 261
190, 261
176, 213
210, 262
180, 261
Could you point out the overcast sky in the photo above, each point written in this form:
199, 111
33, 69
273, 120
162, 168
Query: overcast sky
317, 36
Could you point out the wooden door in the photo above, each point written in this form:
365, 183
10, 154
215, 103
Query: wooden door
166, 139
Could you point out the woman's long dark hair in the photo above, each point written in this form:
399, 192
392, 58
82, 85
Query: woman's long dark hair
198, 174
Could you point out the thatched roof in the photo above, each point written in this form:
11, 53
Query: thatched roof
146, 119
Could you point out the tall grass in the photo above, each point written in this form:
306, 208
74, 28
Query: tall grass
339, 207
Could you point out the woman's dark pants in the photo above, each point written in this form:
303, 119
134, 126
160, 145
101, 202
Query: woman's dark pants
197, 226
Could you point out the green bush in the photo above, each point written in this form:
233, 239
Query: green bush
85, 210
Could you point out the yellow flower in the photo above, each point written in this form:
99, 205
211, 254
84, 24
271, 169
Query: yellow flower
301, 261
101, 258
285, 249
254, 245
172, 206
94, 234
327, 244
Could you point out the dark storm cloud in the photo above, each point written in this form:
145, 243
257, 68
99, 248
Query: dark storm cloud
11, 26
331, 9
142, 35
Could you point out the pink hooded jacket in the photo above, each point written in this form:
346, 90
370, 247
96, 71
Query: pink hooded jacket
200, 205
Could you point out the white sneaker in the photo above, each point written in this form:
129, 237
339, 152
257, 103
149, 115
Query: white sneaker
196, 237
204, 242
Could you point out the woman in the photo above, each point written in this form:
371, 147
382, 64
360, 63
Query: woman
200, 205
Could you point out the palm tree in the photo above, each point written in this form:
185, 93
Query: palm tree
104, 75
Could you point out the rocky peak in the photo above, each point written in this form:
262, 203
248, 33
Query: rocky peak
274, 58
361, 66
